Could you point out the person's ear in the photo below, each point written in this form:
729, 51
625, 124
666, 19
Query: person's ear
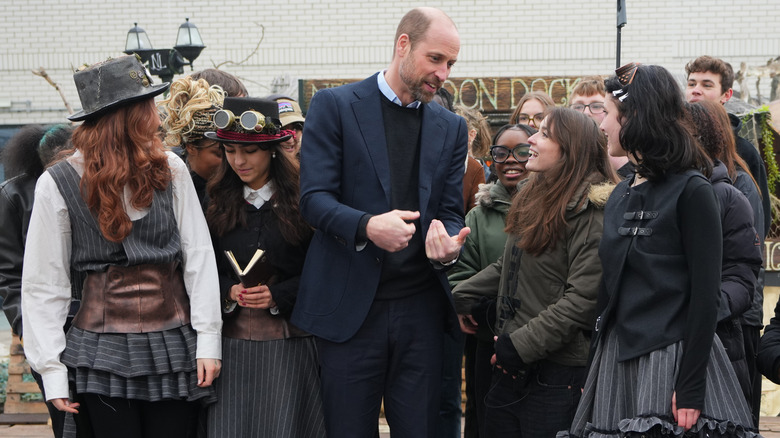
403, 45
472, 135
726, 96
191, 150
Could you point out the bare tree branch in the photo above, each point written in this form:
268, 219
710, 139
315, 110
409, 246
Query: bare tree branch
257, 47
42, 73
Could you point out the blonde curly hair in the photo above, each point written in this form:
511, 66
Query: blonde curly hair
188, 111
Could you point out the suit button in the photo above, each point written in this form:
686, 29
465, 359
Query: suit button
377, 260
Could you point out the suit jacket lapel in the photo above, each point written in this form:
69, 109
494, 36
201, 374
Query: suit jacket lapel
368, 113
432, 136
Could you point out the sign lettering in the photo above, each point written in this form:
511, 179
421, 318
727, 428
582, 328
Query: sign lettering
156, 62
488, 94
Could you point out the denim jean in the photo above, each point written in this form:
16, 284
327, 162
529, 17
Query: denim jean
537, 408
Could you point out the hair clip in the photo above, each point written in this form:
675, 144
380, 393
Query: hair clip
620, 94
626, 73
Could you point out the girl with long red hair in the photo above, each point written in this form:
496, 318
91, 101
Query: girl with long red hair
119, 220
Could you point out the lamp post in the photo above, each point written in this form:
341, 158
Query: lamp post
166, 62
621, 21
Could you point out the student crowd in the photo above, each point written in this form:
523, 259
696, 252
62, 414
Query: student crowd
599, 266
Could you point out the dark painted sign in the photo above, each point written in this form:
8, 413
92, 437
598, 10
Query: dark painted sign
488, 94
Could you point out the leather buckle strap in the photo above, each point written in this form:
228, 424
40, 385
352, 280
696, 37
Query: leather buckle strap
639, 215
635, 231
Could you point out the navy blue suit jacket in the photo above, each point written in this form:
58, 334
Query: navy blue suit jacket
345, 173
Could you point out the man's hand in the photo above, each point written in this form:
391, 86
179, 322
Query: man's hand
439, 246
467, 324
391, 231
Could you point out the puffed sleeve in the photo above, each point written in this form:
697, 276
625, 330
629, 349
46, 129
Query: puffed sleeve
46, 290
200, 266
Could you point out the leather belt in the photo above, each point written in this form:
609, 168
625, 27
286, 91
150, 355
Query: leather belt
258, 325
134, 299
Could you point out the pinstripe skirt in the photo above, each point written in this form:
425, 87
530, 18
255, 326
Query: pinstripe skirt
141, 366
268, 389
633, 397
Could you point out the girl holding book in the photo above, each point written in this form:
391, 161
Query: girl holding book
270, 385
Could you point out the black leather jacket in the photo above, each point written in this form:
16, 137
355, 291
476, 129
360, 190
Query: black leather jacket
16, 202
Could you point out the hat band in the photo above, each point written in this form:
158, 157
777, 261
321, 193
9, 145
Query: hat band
239, 136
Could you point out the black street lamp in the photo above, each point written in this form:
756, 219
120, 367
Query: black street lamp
138, 42
166, 62
188, 42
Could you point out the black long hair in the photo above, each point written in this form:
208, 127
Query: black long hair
226, 193
529, 130
33, 148
20, 154
656, 128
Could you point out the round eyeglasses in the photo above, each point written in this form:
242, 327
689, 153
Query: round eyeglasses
595, 107
501, 153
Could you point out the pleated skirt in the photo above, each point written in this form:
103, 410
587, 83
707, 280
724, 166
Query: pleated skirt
140, 366
268, 389
634, 397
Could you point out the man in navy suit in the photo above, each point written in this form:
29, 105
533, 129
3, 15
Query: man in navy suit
381, 177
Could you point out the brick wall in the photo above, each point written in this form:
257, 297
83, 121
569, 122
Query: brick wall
349, 39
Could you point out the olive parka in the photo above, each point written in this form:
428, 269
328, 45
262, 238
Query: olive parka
547, 303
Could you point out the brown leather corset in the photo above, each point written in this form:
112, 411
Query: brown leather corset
258, 325
134, 299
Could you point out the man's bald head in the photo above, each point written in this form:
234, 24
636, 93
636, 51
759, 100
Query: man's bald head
416, 23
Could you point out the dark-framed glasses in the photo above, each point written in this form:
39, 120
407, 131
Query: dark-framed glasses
501, 153
595, 107
526, 119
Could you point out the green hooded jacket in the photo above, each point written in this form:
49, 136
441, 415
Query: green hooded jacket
485, 244
547, 303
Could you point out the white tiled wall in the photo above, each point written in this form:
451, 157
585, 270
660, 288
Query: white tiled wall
352, 39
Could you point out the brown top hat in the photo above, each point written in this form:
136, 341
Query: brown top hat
248, 120
112, 83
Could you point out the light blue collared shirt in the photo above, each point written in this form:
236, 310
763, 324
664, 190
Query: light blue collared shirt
384, 87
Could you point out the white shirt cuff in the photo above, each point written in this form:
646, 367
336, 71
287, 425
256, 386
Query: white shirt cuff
209, 346
55, 384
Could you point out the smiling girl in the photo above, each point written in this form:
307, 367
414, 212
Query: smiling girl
546, 281
484, 246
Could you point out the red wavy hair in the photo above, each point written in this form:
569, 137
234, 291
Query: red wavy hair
121, 148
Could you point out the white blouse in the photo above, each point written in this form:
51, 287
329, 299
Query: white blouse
260, 196
46, 291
